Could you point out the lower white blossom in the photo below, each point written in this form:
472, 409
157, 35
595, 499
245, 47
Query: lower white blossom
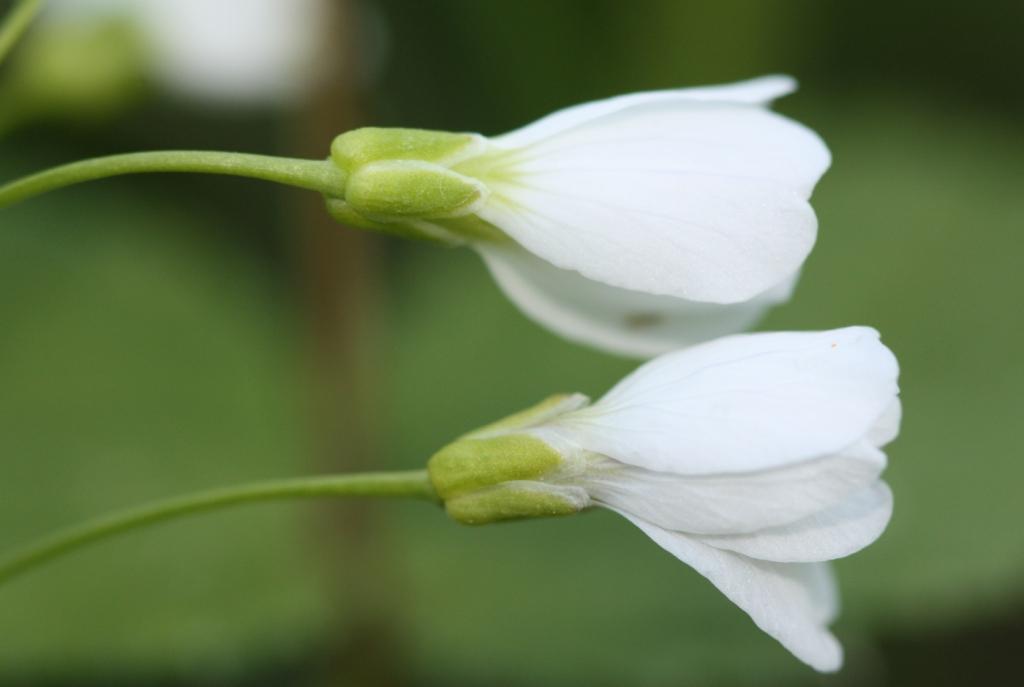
754, 459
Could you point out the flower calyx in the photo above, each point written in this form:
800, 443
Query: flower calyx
402, 181
502, 472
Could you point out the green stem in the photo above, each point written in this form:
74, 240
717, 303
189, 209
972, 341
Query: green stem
15, 23
316, 175
408, 484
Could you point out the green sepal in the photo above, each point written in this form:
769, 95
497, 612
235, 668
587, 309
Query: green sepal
469, 465
515, 501
400, 189
342, 212
471, 227
353, 149
501, 472
403, 182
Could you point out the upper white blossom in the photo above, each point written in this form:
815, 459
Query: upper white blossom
637, 224
753, 459
695, 193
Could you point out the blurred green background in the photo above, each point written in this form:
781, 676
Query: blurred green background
162, 334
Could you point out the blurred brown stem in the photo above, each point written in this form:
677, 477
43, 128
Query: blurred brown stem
341, 283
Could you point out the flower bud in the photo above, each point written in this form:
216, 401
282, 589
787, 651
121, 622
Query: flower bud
497, 473
401, 181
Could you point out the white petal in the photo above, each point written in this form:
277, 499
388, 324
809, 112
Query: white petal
887, 427
760, 91
684, 139
743, 403
701, 200
736, 504
234, 51
834, 533
820, 581
713, 239
792, 602
616, 320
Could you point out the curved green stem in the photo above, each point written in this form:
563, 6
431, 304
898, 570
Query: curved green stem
408, 484
316, 175
15, 23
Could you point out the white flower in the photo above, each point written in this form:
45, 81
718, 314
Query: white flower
660, 219
753, 459
637, 224
250, 52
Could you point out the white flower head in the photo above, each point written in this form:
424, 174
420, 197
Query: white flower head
636, 224
754, 459
236, 52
